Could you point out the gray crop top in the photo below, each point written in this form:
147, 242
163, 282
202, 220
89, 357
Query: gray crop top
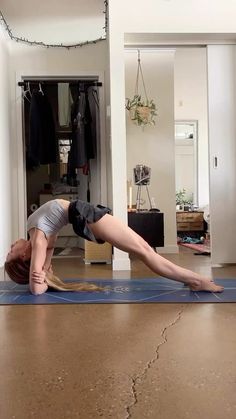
49, 218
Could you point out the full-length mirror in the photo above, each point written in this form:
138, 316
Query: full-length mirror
186, 161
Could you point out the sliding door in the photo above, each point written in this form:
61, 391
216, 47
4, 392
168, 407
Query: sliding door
221, 60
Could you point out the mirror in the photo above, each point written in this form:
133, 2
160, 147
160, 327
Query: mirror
186, 159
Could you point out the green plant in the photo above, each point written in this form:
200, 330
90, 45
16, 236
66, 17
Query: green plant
142, 112
182, 199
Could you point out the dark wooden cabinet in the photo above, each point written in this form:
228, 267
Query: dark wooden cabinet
149, 225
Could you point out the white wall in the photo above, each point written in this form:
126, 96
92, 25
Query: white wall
183, 16
191, 103
5, 159
154, 146
118, 142
151, 16
36, 61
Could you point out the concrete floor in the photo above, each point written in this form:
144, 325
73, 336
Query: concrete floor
124, 361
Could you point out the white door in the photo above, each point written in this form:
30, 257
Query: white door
221, 60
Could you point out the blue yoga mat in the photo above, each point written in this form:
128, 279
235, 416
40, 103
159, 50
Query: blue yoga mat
120, 291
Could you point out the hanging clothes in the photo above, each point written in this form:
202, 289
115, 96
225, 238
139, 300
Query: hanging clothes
42, 144
83, 144
64, 104
90, 129
94, 110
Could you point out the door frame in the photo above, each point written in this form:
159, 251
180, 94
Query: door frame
19, 185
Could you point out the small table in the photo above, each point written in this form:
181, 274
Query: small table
149, 225
190, 221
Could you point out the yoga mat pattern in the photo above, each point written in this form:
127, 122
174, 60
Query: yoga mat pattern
147, 290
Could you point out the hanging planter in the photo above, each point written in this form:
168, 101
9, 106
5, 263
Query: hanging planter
142, 111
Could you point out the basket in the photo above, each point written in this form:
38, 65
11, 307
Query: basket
97, 253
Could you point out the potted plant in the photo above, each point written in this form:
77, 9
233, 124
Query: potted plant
141, 110
182, 199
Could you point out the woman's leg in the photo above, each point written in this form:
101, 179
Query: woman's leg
112, 230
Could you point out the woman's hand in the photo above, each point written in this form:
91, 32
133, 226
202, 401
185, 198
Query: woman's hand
38, 284
38, 277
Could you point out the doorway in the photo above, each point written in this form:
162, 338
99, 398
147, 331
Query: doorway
220, 53
176, 81
59, 162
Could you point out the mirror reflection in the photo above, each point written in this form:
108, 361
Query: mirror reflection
186, 171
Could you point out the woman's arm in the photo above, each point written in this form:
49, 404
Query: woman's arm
39, 244
49, 253
47, 264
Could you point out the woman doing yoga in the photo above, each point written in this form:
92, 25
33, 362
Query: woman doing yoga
30, 260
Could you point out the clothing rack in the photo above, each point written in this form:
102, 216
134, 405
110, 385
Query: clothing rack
85, 82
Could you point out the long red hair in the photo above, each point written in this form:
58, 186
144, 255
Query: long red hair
18, 270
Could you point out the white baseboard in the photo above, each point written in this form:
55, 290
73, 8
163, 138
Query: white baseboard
218, 265
173, 248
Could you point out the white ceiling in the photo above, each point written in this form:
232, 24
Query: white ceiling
75, 21
55, 21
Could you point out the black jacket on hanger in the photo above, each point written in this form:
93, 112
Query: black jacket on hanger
42, 144
82, 147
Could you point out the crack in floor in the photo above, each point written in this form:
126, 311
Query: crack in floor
139, 378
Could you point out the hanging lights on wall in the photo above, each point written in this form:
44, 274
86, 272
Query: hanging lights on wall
59, 45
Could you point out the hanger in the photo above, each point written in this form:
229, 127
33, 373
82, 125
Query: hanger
40, 89
95, 97
27, 91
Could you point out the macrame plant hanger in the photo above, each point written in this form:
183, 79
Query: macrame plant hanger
141, 109
140, 73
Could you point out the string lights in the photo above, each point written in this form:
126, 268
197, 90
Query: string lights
61, 45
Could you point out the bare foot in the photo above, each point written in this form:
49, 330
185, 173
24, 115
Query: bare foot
206, 285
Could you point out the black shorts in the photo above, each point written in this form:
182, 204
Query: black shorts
82, 213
